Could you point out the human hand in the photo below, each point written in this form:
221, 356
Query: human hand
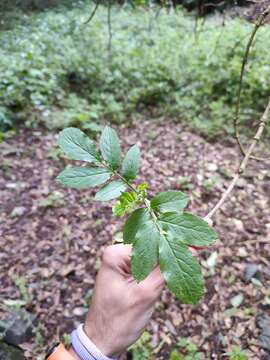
120, 307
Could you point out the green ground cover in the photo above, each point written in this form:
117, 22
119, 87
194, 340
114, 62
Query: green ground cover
58, 71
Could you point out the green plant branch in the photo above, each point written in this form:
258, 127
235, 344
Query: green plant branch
158, 228
258, 24
154, 216
244, 162
145, 200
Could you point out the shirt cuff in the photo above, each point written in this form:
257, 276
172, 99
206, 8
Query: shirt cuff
84, 347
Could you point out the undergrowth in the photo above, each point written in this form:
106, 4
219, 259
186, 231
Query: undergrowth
56, 70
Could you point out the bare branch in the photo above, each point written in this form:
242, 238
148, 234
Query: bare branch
258, 24
93, 12
244, 162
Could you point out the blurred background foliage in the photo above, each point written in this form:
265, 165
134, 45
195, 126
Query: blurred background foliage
203, 6
58, 71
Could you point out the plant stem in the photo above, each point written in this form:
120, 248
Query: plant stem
154, 216
145, 200
93, 12
258, 24
242, 166
126, 182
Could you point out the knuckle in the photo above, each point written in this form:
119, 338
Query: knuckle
151, 295
108, 254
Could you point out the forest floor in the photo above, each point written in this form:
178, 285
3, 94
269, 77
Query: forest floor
252, 11
52, 238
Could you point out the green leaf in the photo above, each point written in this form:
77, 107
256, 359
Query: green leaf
131, 163
188, 228
77, 145
110, 147
135, 221
111, 191
169, 201
125, 204
145, 251
181, 270
83, 177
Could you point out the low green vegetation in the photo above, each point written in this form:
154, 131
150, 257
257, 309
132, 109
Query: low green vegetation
21, 284
142, 349
58, 71
184, 350
24, 298
187, 351
237, 353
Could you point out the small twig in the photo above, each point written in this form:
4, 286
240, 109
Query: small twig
215, 5
93, 12
258, 24
244, 162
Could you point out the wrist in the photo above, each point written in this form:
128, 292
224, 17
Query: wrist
100, 342
85, 348
73, 353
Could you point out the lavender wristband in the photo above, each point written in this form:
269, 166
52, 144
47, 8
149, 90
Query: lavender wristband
84, 348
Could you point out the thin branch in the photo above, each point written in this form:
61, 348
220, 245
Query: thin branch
244, 162
215, 5
258, 24
93, 12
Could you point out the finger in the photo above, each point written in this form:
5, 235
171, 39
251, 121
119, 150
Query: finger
118, 257
118, 251
154, 281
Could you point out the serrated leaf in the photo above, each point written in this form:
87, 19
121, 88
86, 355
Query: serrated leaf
111, 191
110, 147
169, 201
131, 163
188, 228
135, 221
125, 204
145, 251
181, 270
77, 145
83, 177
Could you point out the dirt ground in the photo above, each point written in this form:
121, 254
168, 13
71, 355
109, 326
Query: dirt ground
52, 237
